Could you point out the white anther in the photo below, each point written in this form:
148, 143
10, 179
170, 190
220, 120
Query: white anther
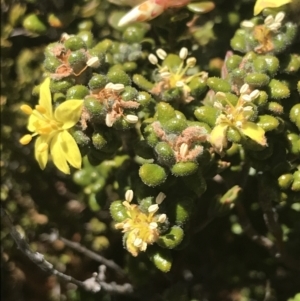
118, 87
274, 26
269, 20
221, 94
218, 105
191, 62
126, 226
144, 246
119, 226
279, 17
65, 36
108, 120
244, 89
162, 218
109, 86
184, 148
160, 197
247, 24
161, 53
153, 225
165, 74
93, 62
183, 53
138, 242
153, 208
152, 59
129, 195
248, 109
239, 124
180, 84
131, 118
246, 97
254, 94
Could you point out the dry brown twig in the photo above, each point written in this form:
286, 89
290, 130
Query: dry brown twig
93, 284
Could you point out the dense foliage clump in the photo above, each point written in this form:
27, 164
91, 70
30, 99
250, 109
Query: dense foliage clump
161, 159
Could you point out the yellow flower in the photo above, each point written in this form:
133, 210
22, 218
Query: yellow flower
237, 117
174, 72
52, 126
140, 228
262, 4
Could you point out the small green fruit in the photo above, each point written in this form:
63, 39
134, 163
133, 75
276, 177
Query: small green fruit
152, 174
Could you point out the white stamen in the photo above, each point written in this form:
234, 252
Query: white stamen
161, 53
274, 26
247, 24
129, 195
269, 20
119, 226
109, 86
118, 87
239, 123
152, 59
160, 197
221, 94
153, 208
244, 88
144, 246
93, 62
153, 225
138, 242
254, 94
65, 36
279, 17
191, 62
184, 148
162, 218
108, 120
248, 109
131, 118
246, 97
179, 84
218, 105
165, 74
183, 53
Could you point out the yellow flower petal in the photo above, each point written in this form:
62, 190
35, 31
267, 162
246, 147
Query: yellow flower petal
131, 248
31, 123
58, 155
254, 132
70, 149
69, 112
262, 4
41, 156
45, 97
218, 137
